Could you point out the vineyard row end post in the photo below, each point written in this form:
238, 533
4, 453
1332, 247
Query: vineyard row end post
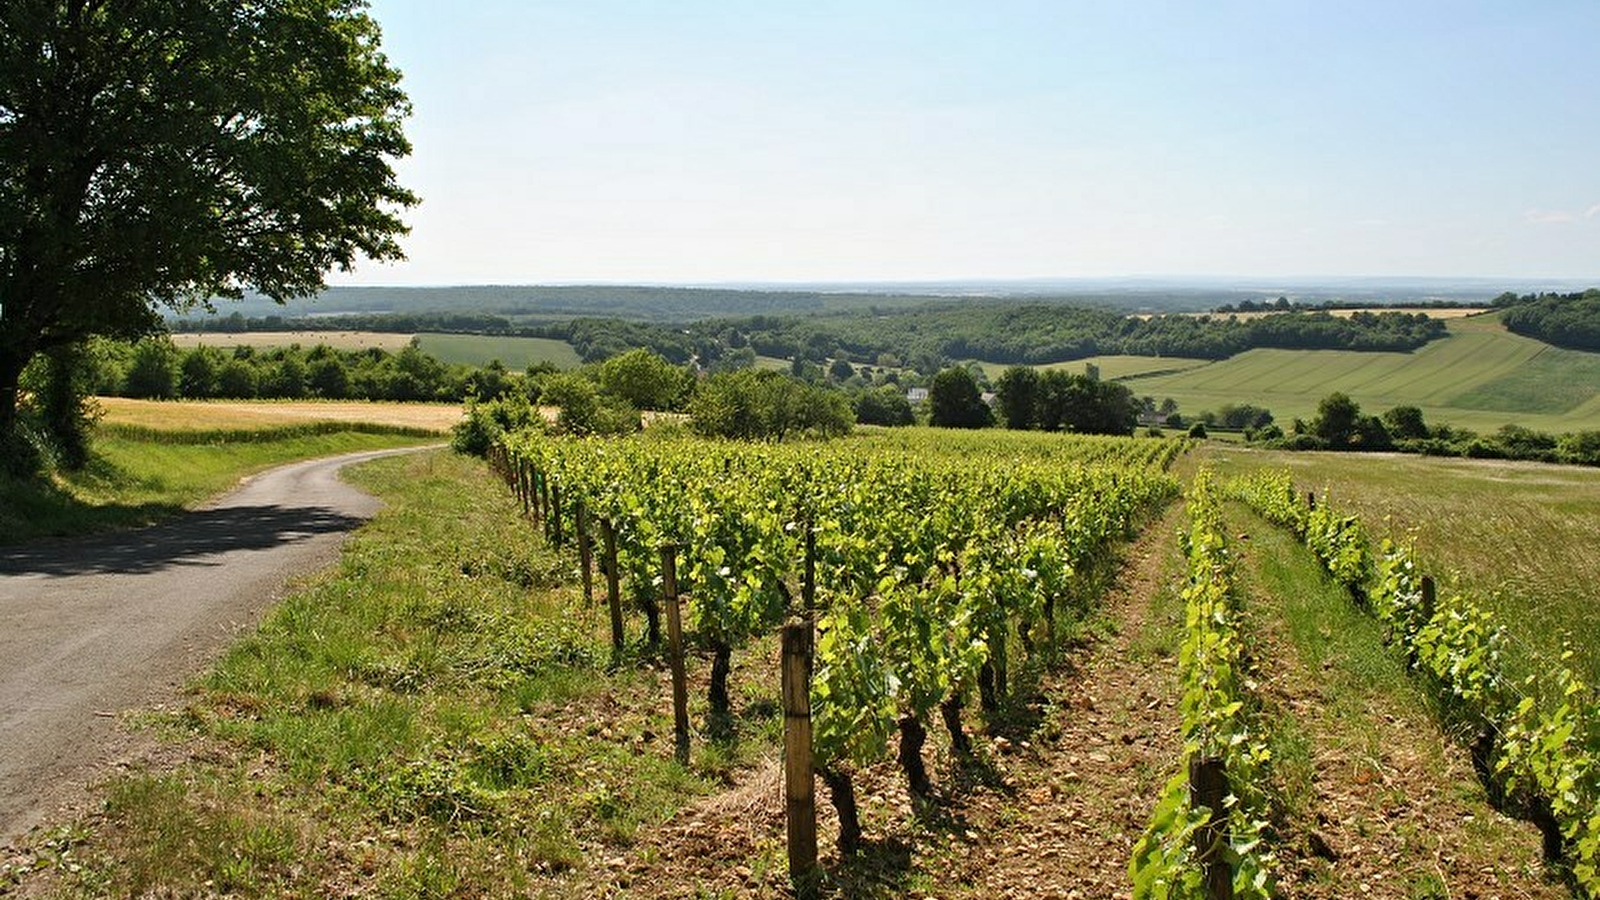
680, 682
613, 591
799, 783
585, 554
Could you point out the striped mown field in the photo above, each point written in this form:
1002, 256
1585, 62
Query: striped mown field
1479, 377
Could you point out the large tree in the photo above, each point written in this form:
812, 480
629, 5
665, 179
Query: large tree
158, 153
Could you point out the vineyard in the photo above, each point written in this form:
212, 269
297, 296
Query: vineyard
902, 663
914, 577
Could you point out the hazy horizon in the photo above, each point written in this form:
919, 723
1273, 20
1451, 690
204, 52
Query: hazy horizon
623, 142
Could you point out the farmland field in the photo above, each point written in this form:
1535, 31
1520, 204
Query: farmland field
1480, 376
515, 353
215, 414
339, 340
1442, 312
1112, 368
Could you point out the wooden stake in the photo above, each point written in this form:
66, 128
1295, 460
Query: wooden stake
680, 682
555, 508
1208, 787
799, 784
808, 590
613, 593
586, 554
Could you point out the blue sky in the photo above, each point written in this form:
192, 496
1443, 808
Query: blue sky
701, 142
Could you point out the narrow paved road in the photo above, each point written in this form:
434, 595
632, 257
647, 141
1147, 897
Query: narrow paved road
93, 627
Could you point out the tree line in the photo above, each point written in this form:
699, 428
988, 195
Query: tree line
1566, 320
926, 338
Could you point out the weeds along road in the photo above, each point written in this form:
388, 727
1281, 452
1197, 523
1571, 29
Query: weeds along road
90, 628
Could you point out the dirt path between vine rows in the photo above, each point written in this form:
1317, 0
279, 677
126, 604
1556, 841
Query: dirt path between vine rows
1053, 814
1379, 801
1076, 801
97, 626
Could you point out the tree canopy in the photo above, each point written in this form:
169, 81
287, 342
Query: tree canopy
163, 152
955, 401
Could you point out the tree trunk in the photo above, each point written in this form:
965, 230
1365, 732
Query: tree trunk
912, 737
988, 700
717, 696
843, 792
17, 458
950, 709
652, 620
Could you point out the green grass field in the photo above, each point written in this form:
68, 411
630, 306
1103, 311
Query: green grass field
516, 353
1479, 377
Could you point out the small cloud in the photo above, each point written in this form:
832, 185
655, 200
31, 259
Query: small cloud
1592, 211
1548, 217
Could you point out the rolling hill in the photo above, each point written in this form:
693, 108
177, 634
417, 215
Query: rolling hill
1480, 376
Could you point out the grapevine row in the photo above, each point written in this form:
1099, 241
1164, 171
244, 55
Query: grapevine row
927, 571
1544, 756
1205, 835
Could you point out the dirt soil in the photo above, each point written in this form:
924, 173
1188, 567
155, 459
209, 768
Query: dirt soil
1051, 810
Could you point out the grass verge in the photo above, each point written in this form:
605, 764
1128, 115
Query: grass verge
132, 481
434, 717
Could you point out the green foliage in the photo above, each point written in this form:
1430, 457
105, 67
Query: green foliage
1217, 724
645, 380
753, 404
1405, 423
1336, 420
1018, 393
184, 151
487, 422
1084, 405
153, 374
583, 410
1566, 320
954, 401
885, 405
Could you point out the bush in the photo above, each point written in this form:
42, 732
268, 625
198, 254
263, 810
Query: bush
752, 404
1197, 430
885, 405
486, 422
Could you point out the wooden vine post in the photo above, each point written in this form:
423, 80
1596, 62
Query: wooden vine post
585, 554
808, 589
555, 510
680, 682
799, 788
1208, 787
613, 592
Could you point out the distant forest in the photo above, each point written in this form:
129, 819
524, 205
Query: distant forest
1040, 334
924, 338
1566, 320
